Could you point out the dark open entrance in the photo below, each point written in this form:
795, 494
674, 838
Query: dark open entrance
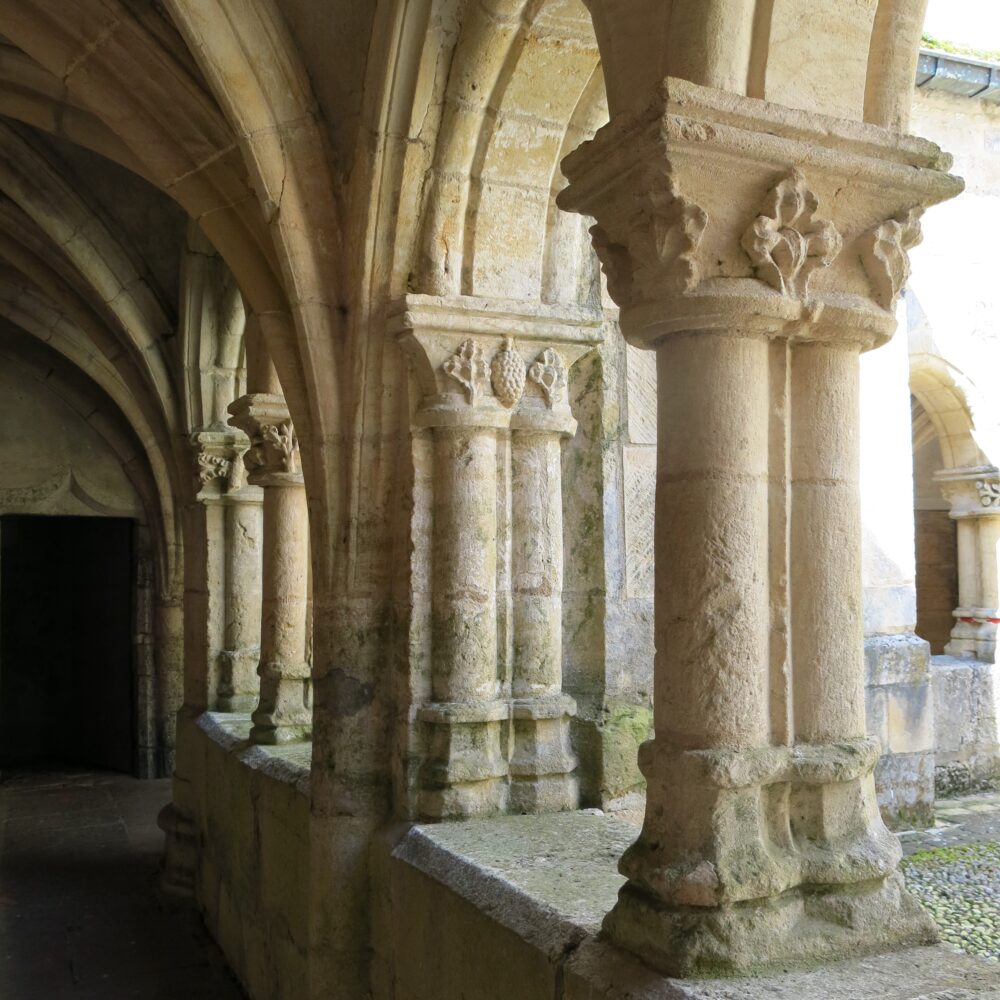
66, 678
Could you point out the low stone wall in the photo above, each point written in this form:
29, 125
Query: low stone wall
900, 713
965, 722
252, 880
510, 909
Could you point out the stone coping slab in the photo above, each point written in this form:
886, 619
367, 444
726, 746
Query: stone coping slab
289, 763
551, 879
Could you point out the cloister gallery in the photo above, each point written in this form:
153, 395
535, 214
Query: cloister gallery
470, 429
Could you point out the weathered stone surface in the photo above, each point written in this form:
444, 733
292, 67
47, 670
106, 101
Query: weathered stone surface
967, 754
528, 894
900, 713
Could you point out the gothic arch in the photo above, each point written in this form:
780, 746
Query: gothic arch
947, 396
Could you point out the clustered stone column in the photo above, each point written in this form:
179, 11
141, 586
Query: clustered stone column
284, 712
495, 734
974, 495
757, 284
232, 565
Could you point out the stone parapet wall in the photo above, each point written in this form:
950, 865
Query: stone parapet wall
900, 713
252, 879
965, 720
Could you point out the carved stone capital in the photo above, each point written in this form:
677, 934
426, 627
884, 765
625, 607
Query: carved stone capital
486, 364
218, 455
715, 211
272, 458
972, 492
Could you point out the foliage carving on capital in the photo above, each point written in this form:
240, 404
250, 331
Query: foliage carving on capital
508, 374
468, 367
884, 254
274, 449
218, 458
665, 244
989, 492
548, 372
212, 467
657, 247
786, 242
615, 264
284, 445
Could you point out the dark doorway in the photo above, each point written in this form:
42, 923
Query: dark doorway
66, 688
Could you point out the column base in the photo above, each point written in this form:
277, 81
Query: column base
180, 859
801, 927
465, 771
267, 733
240, 704
239, 691
284, 714
542, 766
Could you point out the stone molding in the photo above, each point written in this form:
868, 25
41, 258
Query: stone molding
272, 457
716, 211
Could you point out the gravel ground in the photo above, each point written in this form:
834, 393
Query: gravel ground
960, 887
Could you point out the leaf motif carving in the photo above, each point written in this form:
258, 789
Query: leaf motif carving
884, 254
468, 367
786, 242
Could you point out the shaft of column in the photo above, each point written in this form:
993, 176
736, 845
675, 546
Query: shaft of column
244, 549
537, 563
543, 762
712, 598
989, 547
284, 712
989, 553
967, 544
825, 565
465, 565
465, 768
705, 840
833, 817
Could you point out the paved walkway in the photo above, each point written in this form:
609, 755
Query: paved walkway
972, 819
79, 914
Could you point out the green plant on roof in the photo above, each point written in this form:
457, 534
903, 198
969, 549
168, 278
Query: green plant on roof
954, 48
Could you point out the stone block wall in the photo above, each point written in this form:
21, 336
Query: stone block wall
252, 883
965, 721
900, 713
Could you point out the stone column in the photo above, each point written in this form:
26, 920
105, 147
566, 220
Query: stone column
974, 495
757, 284
284, 711
232, 568
543, 763
465, 771
493, 728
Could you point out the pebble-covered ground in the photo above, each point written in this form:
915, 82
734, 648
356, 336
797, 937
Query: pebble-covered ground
960, 887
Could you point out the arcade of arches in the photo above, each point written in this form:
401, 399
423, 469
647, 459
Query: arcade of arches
482, 390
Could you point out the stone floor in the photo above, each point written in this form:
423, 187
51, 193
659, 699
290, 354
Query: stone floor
971, 819
79, 915
954, 870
